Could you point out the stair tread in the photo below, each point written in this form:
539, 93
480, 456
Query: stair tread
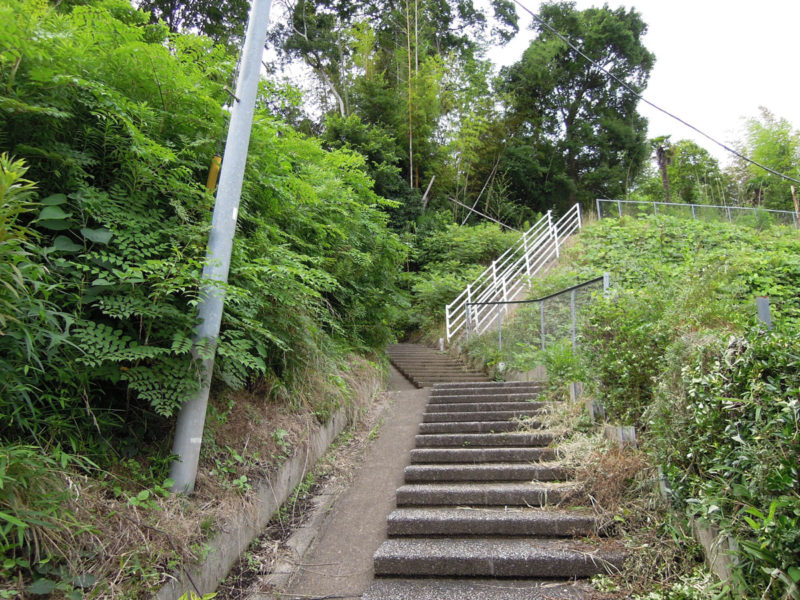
480, 589
498, 557
499, 471
482, 455
486, 440
493, 522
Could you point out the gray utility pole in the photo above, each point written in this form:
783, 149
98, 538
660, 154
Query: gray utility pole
192, 417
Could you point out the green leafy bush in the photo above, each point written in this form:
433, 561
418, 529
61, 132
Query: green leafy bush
729, 437
117, 120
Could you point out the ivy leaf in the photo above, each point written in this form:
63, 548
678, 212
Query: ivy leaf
53, 213
54, 224
63, 244
41, 587
54, 200
98, 236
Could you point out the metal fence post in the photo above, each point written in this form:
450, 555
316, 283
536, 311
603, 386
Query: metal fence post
469, 326
541, 330
694, 214
730, 218
599, 210
619, 208
572, 318
499, 329
578, 212
764, 314
606, 283
655, 209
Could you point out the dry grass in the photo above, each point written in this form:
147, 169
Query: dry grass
621, 485
131, 545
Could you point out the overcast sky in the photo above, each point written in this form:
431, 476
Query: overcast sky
717, 61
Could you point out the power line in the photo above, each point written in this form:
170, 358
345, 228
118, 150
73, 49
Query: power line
645, 100
483, 215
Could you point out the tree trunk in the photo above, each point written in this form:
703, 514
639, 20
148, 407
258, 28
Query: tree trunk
663, 160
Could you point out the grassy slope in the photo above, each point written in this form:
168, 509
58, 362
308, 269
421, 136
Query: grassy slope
675, 349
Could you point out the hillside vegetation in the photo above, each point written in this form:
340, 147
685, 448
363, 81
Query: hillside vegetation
675, 349
107, 127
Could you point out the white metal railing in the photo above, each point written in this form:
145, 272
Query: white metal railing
507, 276
697, 211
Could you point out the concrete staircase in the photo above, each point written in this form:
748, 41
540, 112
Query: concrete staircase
487, 511
424, 366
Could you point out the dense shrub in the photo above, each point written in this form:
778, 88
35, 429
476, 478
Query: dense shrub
727, 433
675, 349
117, 120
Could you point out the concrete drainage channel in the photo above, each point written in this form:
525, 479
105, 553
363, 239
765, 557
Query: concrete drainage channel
228, 545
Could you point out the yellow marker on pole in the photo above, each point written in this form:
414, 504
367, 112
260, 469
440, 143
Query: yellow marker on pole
213, 173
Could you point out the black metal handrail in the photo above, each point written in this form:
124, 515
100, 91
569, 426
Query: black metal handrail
543, 298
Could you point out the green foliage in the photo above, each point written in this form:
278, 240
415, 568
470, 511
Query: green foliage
119, 119
692, 174
773, 142
576, 133
626, 338
448, 257
729, 437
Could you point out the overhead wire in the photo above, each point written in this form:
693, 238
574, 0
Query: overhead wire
594, 63
477, 212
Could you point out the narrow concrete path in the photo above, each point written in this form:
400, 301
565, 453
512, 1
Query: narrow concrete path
339, 564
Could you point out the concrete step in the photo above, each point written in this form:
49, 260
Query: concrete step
427, 382
427, 361
478, 440
441, 372
479, 391
421, 456
437, 473
481, 589
483, 406
496, 557
492, 522
472, 398
475, 426
485, 494
488, 384
491, 415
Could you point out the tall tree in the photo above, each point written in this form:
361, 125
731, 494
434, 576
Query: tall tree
663, 151
773, 142
683, 172
383, 60
223, 21
583, 123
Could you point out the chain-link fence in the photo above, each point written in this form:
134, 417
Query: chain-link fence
525, 326
741, 215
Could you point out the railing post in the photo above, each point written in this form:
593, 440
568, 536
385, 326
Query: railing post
554, 232
467, 322
527, 258
578, 210
572, 318
541, 330
447, 321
